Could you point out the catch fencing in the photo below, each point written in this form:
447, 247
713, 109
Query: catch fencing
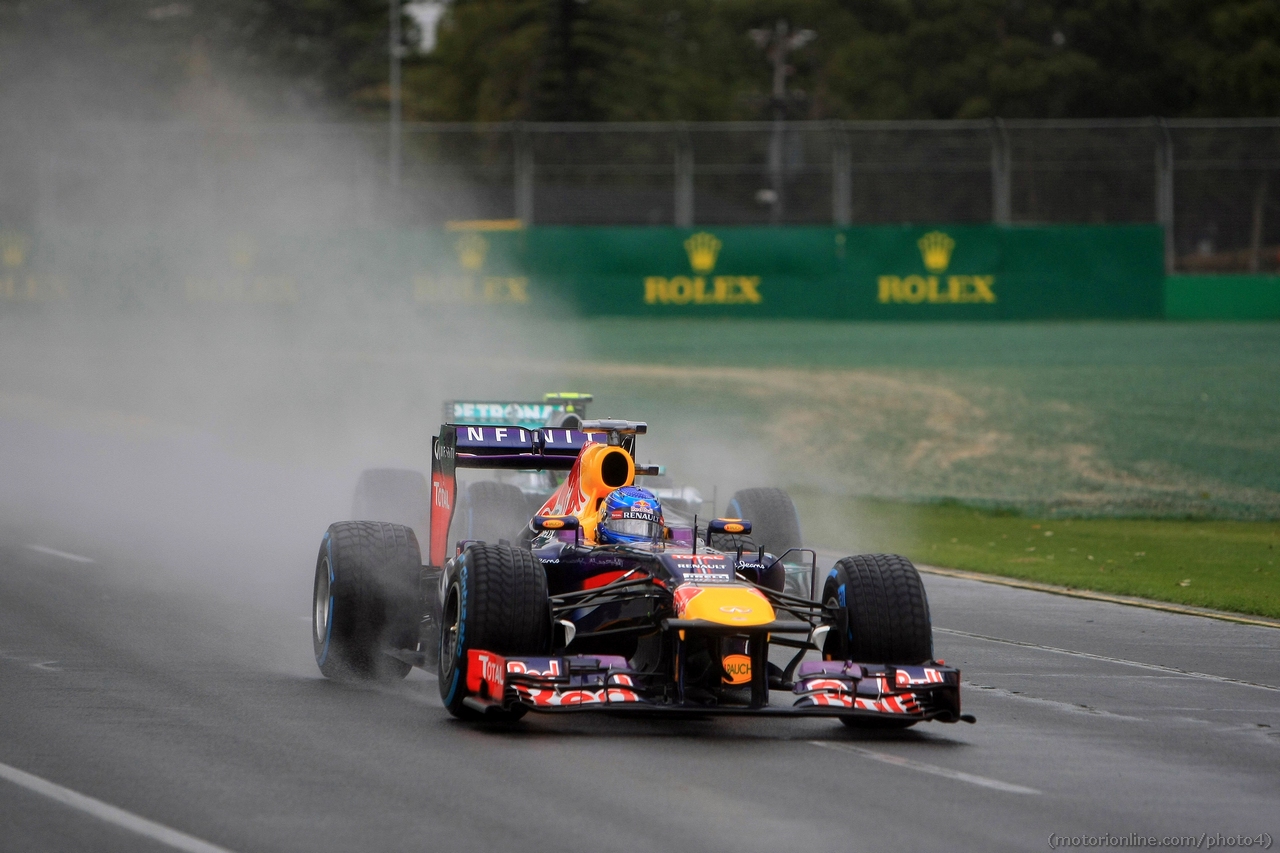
1213, 185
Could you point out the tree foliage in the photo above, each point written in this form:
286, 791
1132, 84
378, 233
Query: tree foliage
691, 59
142, 57
586, 60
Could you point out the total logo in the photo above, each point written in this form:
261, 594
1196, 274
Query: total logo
702, 288
935, 252
686, 561
440, 495
492, 670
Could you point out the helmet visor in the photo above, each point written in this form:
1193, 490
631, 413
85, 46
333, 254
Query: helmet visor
634, 528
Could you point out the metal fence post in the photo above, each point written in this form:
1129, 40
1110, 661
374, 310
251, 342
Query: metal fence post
1001, 177
777, 141
1164, 190
683, 178
522, 150
393, 126
841, 177
1256, 228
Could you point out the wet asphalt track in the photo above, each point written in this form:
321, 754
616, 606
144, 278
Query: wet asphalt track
198, 707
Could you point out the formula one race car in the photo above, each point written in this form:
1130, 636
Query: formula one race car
601, 605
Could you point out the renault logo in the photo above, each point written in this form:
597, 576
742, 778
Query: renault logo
732, 609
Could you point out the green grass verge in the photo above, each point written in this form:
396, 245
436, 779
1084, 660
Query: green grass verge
1226, 565
1088, 419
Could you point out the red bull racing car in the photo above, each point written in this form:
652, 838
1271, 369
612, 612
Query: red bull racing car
605, 604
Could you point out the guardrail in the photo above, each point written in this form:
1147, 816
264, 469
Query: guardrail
1211, 185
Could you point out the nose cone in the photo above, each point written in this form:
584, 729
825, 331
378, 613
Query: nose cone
723, 605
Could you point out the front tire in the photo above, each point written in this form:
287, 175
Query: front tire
365, 600
887, 619
885, 610
495, 600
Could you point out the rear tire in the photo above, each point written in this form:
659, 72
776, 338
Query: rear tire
774, 523
397, 495
365, 600
496, 511
495, 600
731, 542
774, 577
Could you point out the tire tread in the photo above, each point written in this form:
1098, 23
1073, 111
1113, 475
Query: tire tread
507, 608
375, 569
774, 522
887, 609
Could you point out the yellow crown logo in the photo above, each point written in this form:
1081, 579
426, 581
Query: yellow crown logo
242, 249
703, 249
471, 249
13, 249
935, 249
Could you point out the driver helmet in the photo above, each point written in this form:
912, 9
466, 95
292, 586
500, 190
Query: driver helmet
628, 515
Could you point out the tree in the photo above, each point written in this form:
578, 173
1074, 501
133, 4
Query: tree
134, 57
586, 60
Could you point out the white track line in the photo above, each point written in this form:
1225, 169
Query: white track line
54, 552
932, 769
1155, 667
109, 813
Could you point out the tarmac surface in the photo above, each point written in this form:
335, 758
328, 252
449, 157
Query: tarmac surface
140, 715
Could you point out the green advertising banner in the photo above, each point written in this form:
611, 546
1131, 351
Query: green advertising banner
1222, 297
878, 272
875, 272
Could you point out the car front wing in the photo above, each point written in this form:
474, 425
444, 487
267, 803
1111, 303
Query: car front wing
606, 683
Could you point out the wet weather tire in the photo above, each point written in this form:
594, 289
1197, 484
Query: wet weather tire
886, 615
397, 495
365, 600
496, 511
731, 542
885, 609
774, 523
773, 577
495, 600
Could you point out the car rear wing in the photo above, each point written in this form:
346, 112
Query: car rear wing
492, 446
513, 448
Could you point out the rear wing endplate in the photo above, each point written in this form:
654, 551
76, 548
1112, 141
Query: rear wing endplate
500, 446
